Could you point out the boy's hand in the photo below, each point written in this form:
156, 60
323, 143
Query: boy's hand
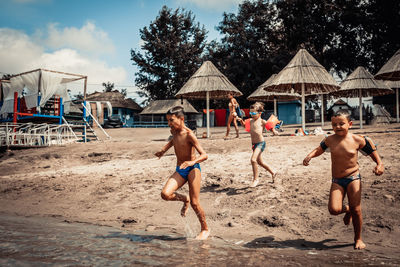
378, 170
306, 161
159, 154
187, 164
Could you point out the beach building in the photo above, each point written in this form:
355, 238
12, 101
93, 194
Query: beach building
154, 114
339, 104
105, 104
289, 112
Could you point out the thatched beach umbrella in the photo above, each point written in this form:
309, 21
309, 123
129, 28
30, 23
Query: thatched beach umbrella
208, 83
395, 85
391, 71
305, 76
361, 83
268, 96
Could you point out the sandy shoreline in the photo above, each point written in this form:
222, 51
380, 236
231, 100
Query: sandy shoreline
118, 183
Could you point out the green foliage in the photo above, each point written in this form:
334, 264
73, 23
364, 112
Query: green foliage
172, 48
261, 39
108, 86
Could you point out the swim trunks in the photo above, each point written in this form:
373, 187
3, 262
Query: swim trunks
261, 145
185, 172
344, 182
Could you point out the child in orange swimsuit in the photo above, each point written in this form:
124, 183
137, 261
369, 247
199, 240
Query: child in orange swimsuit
344, 147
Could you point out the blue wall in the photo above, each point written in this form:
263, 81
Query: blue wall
289, 112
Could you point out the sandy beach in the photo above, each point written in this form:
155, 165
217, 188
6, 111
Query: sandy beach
118, 182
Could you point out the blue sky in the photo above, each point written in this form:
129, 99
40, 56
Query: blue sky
88, 37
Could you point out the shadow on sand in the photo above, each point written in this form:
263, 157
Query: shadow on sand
269, 242
140, 238
227, 190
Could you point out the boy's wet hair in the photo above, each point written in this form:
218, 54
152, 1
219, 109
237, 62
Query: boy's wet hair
343, 112
177, 111
258, 106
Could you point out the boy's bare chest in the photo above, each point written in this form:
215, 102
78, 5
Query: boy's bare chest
344, 148
181, 143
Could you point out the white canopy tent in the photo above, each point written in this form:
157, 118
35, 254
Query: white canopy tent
40, 82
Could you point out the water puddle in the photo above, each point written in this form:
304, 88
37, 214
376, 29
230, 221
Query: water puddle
49, 241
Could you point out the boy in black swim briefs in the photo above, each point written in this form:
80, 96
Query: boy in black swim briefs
344, 147
188, 168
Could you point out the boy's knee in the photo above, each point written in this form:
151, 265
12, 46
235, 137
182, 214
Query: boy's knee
335, 210
355, 210
165, 195
195, 204
253, 161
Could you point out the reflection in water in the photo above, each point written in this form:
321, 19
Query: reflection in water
47, 242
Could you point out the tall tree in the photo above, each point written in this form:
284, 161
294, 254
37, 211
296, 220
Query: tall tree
108, 86
245, 52
173, 46
383, 26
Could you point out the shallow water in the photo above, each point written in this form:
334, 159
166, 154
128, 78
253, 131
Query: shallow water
49, 241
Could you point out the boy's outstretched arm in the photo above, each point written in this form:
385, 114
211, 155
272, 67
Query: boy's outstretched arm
202, 157
160, 153
315, 153
368, 147
379, 168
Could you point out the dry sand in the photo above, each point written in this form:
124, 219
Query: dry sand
118, 183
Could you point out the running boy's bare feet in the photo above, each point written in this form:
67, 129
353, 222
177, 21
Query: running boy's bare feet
254, 183
359, 244
203, 235
274, 176
347, 218
185, 206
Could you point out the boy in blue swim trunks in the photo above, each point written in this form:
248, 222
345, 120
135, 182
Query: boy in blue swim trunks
257, 124
344, 147
188, 168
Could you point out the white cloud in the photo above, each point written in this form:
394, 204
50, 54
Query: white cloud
88, 39
20, 52
212, 4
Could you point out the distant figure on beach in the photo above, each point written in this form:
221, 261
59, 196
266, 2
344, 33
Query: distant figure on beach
257, 124
233, 116
344, 147
188, 168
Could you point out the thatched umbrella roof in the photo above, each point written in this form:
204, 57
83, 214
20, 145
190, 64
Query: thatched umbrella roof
162, 106
116, 98
392, 84
303, 75
391, 70
361, 83
208, 79
303, 69
361, 80
395, 85
208, 83
268, 96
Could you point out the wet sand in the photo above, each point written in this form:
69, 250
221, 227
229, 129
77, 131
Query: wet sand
118, 182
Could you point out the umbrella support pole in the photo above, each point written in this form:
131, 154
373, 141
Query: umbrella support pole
303, 108
275, 109
361, 115
397, 105
322, 110
208, 113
